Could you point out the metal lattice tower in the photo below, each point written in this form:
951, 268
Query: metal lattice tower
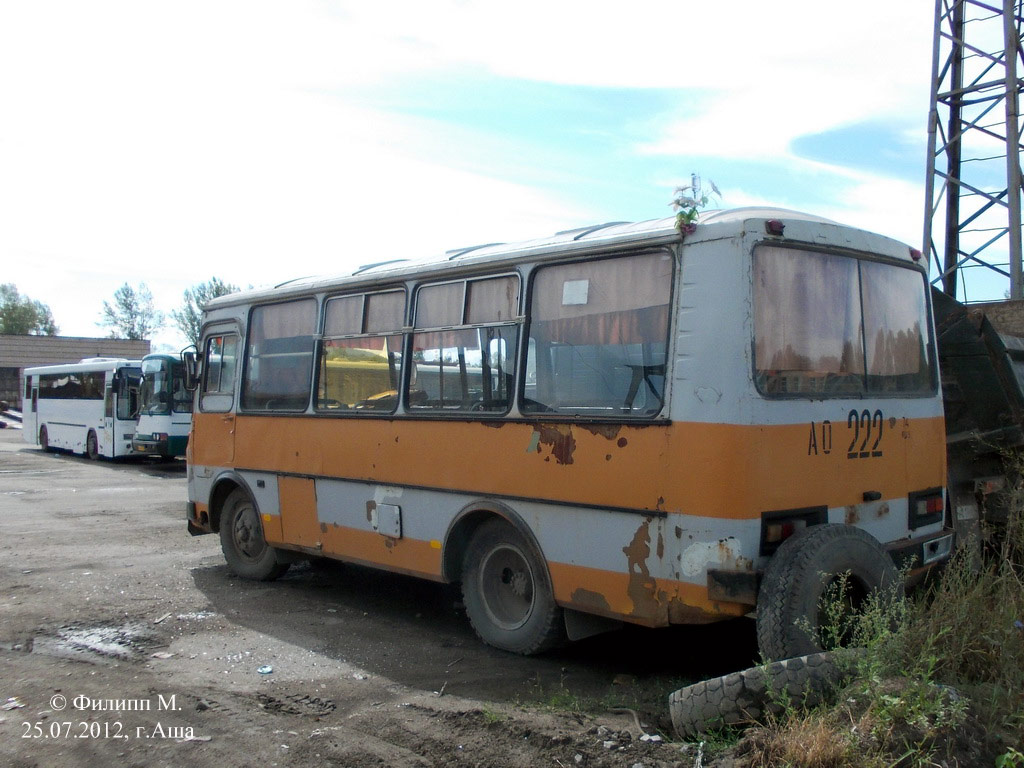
972, 225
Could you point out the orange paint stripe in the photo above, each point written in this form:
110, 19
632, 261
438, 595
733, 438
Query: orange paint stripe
712, 470
411, 556
651, 602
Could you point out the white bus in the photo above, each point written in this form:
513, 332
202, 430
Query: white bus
165, 408
88, 407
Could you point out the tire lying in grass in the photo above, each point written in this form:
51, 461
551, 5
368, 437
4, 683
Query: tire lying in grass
741, 698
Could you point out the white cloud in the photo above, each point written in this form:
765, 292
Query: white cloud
168, 143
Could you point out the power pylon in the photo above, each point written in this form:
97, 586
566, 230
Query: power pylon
972, 229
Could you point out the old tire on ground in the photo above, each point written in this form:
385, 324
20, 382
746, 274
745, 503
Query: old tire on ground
507, 592
92, 447
241, 539
44, 438
745, 697
789, 603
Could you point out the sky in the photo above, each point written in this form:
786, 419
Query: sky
169, 143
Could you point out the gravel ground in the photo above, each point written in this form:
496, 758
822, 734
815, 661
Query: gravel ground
125, 641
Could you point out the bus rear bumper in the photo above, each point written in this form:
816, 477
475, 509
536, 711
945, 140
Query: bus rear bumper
915, 556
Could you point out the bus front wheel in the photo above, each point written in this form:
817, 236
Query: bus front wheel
241, 538
92, 447
507, 592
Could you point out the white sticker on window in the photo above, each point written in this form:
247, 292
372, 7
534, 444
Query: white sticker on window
575, 292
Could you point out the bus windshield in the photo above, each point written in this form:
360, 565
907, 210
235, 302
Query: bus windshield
163, 387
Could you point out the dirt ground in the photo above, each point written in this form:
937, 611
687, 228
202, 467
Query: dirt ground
124, 641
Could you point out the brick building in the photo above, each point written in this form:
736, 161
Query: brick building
20, 352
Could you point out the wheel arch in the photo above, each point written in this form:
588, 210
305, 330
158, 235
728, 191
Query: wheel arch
222, 488
464, 525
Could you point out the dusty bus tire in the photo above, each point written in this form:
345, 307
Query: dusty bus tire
241, 539
507, 592
92, 447
745, 697
799, 573
44, 439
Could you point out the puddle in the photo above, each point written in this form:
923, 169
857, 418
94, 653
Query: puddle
98, 644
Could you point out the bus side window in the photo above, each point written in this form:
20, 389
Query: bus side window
279, 356
598, 337
220, 363
361, 352
466, 332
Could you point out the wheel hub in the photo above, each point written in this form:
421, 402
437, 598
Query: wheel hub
247, 539
517, 581
507, 587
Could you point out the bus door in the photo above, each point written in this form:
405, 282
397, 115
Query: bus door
30, 409
213, 423
105, 433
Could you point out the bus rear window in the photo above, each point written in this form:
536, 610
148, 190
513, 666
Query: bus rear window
832, 325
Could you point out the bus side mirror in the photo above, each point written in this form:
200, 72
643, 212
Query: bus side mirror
191, 366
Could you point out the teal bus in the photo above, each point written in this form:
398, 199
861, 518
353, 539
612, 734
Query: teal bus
165, 409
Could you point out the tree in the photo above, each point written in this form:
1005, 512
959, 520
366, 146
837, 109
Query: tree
132, 315
189, 318
22, 316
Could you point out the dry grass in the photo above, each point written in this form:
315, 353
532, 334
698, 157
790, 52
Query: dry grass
941, 680
809, 742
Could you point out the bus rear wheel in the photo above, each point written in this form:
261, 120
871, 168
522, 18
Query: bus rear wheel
507, 592
44, 438
815, 586
241, 539
92, 447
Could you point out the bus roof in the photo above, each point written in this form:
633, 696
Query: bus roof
713, 225
86, 366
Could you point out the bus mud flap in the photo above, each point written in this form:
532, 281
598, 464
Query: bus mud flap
579, 625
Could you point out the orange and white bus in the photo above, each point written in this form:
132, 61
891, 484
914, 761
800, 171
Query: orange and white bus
612, 424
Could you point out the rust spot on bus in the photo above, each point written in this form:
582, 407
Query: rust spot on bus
661, 545
589, 600
642, 589
559, 439
496, 424
371, 507
607, 431
883, 510
622, 442
852, 515
679, 532
323, 527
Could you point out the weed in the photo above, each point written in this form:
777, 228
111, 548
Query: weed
939, 673
1012, 758
688, 202
491, 717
